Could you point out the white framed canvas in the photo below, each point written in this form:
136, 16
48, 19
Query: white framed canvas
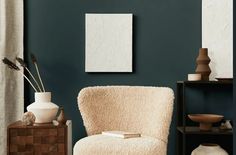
108, 39
217, 36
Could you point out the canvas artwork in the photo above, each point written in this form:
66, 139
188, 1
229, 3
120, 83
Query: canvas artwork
217, 36
108, 42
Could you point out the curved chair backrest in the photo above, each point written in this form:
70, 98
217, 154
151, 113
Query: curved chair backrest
146, 110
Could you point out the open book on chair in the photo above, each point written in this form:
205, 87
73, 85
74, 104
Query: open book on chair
121, 134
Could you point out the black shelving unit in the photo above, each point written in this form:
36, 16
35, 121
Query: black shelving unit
184, 131
196, 131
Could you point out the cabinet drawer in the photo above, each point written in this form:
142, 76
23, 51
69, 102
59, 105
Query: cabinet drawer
43, 139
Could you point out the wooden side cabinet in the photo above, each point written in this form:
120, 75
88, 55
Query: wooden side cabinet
39, 139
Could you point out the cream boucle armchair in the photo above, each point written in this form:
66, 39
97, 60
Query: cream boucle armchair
147, 110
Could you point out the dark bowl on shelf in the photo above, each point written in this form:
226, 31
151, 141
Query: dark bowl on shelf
205, 120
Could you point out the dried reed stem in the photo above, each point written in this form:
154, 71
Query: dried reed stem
28, 81
36, 66
33, 78
23, 64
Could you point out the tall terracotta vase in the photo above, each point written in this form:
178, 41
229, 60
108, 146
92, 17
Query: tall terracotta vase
203, 64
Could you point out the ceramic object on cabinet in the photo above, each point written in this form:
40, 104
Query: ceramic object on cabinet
209, 149
205, 120
203, 64
61, 118
28, 118
44, 110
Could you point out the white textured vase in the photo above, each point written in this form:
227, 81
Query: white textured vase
44, 110
209, 149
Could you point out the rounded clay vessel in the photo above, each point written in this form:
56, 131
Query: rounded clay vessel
61, 118
209, 149
205, 120
44, 110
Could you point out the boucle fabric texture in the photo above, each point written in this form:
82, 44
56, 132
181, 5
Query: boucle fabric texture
146, 110
105, 145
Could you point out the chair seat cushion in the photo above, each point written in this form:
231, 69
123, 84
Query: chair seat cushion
106, 145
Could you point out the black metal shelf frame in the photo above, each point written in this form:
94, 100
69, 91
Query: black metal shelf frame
182, 129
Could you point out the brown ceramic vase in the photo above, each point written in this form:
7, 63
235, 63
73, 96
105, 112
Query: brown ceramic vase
61, 118
203, 64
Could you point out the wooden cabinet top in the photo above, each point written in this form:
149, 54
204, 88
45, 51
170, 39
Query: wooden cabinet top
19, 124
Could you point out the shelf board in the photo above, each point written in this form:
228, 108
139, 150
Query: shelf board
205, 82
196, 130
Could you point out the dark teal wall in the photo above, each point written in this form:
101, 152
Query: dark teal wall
167, 35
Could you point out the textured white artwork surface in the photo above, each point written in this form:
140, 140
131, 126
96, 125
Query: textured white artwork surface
108, 42
217, 36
